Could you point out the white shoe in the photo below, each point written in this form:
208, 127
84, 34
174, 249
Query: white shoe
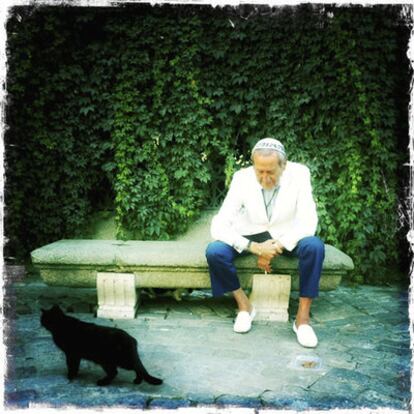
243, 322
305, 335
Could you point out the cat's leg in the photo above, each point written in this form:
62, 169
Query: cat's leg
111, 372
72, 362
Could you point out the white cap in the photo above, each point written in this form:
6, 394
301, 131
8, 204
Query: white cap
270, 143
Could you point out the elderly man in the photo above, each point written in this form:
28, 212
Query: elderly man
268, 211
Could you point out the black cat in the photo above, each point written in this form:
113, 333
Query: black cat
108, 347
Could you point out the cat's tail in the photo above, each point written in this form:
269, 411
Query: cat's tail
152, 380
142, 374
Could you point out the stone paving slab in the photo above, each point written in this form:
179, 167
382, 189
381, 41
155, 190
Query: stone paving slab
364, 354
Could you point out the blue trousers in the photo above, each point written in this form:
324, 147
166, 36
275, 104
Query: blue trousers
223, 274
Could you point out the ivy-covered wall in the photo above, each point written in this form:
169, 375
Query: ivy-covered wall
136, 109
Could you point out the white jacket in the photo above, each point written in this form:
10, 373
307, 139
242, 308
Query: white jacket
243, 211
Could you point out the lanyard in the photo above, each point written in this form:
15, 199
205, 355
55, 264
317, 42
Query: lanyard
267, 204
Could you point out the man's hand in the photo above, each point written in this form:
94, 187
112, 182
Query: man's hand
264, 264
268, 249
279, 247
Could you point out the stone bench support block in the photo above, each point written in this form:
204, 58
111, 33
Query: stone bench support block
117, 296
270, 296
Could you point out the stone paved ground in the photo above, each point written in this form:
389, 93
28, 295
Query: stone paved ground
363, 359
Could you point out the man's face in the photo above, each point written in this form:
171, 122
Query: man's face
268, 170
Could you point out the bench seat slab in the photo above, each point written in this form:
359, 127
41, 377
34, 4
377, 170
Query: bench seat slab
119, 269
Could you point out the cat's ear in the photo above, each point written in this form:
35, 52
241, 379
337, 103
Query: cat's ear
42, 310
56, 308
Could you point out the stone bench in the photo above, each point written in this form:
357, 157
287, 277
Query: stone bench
119, 269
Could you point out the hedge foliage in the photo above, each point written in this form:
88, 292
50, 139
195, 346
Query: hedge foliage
137, 109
